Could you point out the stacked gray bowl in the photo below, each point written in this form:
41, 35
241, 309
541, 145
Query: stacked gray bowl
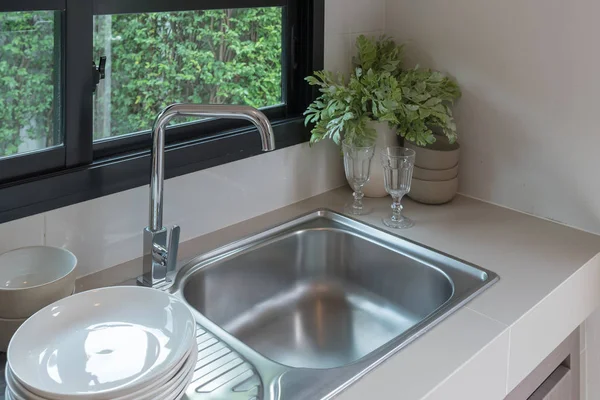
435, 176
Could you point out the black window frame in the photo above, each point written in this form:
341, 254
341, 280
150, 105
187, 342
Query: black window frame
82, 169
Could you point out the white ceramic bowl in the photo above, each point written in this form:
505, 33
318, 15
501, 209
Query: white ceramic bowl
433, 192
8, 327
33, 277
439, 155
103, 343
435, 174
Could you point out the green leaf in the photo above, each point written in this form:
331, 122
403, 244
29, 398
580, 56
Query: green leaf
381, 89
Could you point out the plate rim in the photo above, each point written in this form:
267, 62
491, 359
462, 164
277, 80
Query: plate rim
182, 350
189, 361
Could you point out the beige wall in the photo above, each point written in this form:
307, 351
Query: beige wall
528, 120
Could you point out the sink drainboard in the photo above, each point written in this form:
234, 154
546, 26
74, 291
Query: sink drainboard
221, 373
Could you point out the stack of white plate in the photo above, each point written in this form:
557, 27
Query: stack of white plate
121, 343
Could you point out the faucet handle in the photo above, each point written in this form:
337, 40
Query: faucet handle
172, 253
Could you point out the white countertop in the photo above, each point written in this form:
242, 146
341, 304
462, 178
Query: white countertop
549, 284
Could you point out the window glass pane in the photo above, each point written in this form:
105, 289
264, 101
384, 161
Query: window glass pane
29, 75
212, 56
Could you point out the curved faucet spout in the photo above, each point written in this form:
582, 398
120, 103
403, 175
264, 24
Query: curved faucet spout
195, 110
247, 113
158, 259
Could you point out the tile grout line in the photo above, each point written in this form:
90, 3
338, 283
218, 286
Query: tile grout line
583, 328
461, 366
508, 359
527, 213
487, 316
44, 240
585, 377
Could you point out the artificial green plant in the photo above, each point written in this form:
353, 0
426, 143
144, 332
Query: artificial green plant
412, 100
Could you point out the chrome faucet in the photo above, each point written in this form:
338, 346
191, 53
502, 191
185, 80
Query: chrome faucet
160, 260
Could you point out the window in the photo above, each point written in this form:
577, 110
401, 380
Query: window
71, 130
29, 66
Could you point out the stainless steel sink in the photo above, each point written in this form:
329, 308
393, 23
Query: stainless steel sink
313, 304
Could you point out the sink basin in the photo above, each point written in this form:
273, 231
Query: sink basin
319, 296
324, 293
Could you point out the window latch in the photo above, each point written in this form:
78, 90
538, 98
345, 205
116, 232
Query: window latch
99, 72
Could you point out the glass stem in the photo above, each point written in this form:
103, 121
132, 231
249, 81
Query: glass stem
358, 196
397, 208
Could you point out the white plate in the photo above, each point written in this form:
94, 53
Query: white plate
154, 390
180, 390
101, 344
160, 389
180, 386
179, 383
17, 391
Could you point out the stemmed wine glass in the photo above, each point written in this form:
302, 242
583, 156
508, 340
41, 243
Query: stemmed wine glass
357, 164
398, 164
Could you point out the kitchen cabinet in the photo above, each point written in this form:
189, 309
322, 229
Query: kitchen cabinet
558, 386
556, 378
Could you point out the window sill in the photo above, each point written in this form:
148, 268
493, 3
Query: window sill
112, 175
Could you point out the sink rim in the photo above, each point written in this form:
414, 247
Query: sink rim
280, 378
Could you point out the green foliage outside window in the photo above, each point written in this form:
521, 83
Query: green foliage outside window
26, 79
213, 56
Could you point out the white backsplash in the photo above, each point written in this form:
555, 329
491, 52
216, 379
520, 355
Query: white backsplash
345, 20
108, 231
27, 231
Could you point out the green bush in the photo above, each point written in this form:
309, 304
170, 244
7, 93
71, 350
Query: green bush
26, 78
214, 56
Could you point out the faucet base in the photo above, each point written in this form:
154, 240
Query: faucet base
154, 259
160, 285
